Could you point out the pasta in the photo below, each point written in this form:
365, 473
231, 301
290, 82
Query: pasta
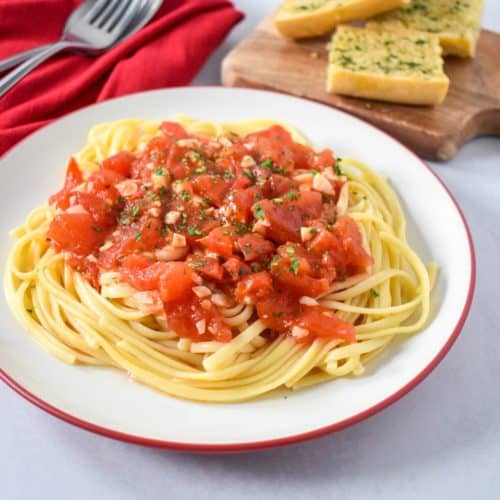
113, 324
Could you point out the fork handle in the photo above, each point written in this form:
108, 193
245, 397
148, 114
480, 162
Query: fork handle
16, 74
17, 59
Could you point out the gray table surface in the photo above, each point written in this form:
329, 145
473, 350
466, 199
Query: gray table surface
440, 441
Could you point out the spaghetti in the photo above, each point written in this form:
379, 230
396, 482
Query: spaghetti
88, 315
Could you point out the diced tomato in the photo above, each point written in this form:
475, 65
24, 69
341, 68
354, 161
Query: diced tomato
304, 156
143, 235
278, 309
255, 286
241, 182
277, 185
73, 179
273, 144
301, 272
173, 131
155, 153
101, 184
103, 212
323, 240
148, 233
310, 202
241, 204
120, 163
211, 187
141, 272
103, 179
88, 268
287, 218
75, 232
254, 247
176, 282
228, 158
207, 267
219, 241
324, 324
324, 159
356, 256
235, 268
175, 164
284, 220
300, 282
328, 246
185, 316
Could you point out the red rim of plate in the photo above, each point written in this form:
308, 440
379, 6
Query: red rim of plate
296, 438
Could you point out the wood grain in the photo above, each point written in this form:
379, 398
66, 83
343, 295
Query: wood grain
472, 108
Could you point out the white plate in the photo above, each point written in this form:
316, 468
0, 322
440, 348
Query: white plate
104, 401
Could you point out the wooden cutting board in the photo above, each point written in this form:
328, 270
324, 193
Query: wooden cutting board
267, 60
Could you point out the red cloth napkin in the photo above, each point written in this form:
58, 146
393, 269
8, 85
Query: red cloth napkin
166, 52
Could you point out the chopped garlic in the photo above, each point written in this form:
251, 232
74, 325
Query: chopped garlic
322, 184
188, 143
202, 291
169, 253
247, 161
127, 187
106, 245
178, 240
159, 181
343, 201
206, 304
225, 142
308, 301
299, 332
201, 326
76, 209
260, 226
303, 178
306, 233
221, 300
172, 217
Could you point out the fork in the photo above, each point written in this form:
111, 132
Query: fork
144, 14
93, 27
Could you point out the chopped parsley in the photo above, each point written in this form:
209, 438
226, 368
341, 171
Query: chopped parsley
337, 169
294, 265
268, 163
375, 293
290, 250
185, 195
249, 174
228, 174
194, 231
242, 228
258, 211
134, 211
137, 236
292, 195
160, 171
200, 170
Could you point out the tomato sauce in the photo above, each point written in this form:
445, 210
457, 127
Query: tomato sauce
205, 222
